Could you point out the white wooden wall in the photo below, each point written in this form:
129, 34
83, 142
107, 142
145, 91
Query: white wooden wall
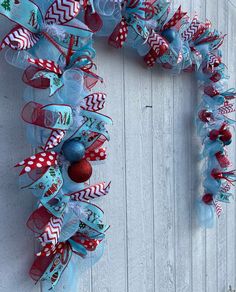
154, 244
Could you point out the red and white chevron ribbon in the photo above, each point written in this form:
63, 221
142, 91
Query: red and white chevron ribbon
46, 64
179, 14
192, 29
157, 43
52, 231
94, 102
54, 139
92, 192
218, 208
19, 38
202, 28
212, 62
62, 11
227, 108
39, 160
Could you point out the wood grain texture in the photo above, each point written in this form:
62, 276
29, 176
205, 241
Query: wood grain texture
154, 244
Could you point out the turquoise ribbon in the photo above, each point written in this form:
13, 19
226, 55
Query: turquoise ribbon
48, 185
79, 59
28, 15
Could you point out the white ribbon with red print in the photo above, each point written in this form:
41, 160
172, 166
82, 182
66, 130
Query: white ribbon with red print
91, 192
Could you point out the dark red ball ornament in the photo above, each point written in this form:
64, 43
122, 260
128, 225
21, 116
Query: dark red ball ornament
205, 116
207, 198
225, 135
80, 171
213, 135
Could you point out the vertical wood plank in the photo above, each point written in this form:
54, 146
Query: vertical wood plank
211, 234
110, 273
138, 169
198, 240
222, 24
229, 13
163, 180
182, 155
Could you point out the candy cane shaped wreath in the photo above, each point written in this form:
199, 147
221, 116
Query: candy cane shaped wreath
52, 42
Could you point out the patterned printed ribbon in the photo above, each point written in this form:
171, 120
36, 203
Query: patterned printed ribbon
42, 175
55, 256
56, 117
159, 45
31, 24
46, 70
195, 47
136, 13
48, 227
59, 118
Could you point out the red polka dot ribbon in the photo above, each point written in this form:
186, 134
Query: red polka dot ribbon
119, 35
39, 160
179, 14
87, 242
96, 155
47, 65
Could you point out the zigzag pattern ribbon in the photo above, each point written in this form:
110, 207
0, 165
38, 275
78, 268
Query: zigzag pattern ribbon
54, 139
218, 208
62, 11
157, 43
191, 30
227, 108
94, 102
202, 29
52, 231
92, 192
212, 62
19, 38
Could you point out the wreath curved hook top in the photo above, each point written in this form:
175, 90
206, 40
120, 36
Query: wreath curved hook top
52, 41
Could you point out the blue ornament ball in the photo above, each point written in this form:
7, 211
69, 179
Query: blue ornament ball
73, 150
169, 34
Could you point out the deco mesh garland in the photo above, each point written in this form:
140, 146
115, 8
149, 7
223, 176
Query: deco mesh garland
52, 42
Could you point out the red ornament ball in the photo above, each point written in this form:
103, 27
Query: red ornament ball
225, 135
205, 116
207, 198
80, 171
213, 135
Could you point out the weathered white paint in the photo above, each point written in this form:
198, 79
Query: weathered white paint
154, 244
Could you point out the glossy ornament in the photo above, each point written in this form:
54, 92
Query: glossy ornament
213, 135
207, 198
169, 35
225, 135
73, 150
205, 116
80, 171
